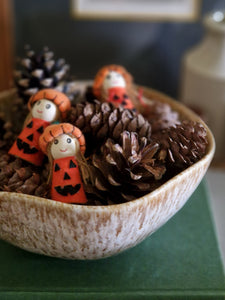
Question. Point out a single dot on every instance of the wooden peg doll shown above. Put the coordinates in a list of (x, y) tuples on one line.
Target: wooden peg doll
[(46, 106), (112, 84), (64, 144)]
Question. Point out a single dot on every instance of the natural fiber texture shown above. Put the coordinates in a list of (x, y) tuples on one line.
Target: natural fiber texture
[(101, 121), (182, 145), (126, 170)]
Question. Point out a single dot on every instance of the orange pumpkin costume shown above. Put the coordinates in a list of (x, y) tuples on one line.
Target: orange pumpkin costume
[(116, 95), (26, 145), (66, 181), (66, 185)]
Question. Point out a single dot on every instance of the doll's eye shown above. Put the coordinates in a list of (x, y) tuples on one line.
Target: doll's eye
[(38, 102), (56, 141), (118, 75), (48, 106), (108, 76), (69, 140)]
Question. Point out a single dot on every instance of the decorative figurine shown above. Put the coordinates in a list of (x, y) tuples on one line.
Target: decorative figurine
[(65, 144), (46, 106), (112, 84)]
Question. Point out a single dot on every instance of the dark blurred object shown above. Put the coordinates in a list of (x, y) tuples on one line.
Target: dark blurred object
[(6, 49), (41, 70), (203, 80)]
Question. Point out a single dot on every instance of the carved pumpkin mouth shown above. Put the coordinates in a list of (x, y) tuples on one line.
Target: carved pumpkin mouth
[(68, 189), (27, 149)]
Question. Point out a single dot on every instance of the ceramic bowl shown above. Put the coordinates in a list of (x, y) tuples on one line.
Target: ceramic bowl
[(91, 232)]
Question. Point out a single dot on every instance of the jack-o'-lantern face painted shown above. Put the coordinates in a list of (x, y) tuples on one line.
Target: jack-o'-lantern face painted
[(45, 106), (45, 110), (64, 146), (113, 79), (64, 143)]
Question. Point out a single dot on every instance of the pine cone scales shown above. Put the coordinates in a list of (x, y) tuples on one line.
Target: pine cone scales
[(102, 120), (182, 145), (127, 169), (161, 116), (39, 71), (7, 133), (21, 177)]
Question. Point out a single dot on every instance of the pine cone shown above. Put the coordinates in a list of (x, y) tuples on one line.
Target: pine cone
[(126, 170), (101, 120), (39, 71), (19, 176), (8, 134), (160, 116), (182, 145)]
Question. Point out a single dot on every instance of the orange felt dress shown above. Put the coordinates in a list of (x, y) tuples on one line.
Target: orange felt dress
[(118, 96), (26, 146), (67, 185)]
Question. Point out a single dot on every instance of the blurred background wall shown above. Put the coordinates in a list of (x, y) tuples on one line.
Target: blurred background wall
[(151, 51)]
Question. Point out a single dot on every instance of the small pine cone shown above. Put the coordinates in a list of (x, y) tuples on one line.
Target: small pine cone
[(8, 170), (102, 120), (19, 176), (126, 170), (160, 116), (182, 145), (30, 185), (37, 71), (43, 190), (8, 133), (4, 159)]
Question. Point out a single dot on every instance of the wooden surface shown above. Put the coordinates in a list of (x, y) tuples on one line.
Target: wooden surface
[(6, 49)]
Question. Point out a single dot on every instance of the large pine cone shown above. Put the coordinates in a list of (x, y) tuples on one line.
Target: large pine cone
[(126, 170), (101, 121), (39, 71), (182, 145)]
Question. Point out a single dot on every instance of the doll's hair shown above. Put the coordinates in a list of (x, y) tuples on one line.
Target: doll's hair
[(53, 131), (102, 73), (58, 98)]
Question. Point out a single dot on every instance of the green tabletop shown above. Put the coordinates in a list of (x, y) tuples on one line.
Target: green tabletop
[(180, 261)]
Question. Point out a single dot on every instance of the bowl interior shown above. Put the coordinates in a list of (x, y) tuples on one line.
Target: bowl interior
[(88, 232)]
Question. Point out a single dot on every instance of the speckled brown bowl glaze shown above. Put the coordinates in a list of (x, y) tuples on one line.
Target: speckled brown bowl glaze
[(91, 232)]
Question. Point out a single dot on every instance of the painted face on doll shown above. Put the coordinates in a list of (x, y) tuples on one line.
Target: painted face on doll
[(113, 79), (64, 146), (45, 110)]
